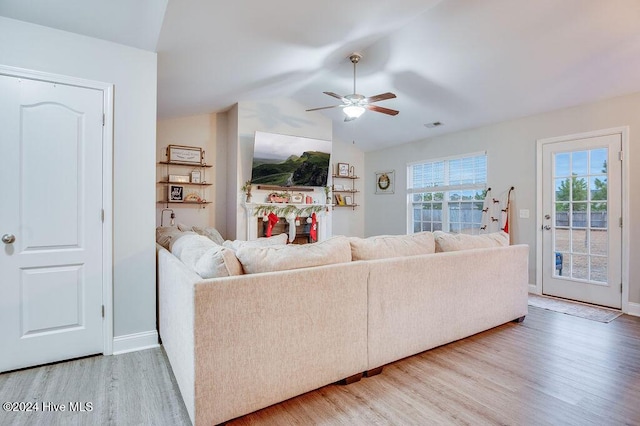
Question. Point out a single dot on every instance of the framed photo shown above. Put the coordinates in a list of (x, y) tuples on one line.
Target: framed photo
[(348, 200), (297, 198), (176, 193), (338, 187), (179, 178), (385, 182), (343, 169), (196, 176), (184, 154)]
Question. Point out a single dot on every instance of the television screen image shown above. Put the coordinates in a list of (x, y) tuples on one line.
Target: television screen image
[(283, 160)]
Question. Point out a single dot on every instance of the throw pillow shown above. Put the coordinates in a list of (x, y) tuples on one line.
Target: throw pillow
[(166, 235), (454, 242), (206, 258), (294, 256), (209, 232), (386, 246)]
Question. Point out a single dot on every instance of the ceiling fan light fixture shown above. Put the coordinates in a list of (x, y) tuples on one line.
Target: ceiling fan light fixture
[(353, 111)]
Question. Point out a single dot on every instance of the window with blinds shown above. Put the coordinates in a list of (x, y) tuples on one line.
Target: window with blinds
[(447, 194)]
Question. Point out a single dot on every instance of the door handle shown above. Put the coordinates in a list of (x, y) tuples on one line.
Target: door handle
[(8, 238), (546, 227)]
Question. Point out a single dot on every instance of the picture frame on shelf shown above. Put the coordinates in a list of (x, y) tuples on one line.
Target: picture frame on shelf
[(343, 170), (176, 194), (297, 198), (196, 176), (179, 178), (184, 154), (348, 200), (385, 182), (338, 187)]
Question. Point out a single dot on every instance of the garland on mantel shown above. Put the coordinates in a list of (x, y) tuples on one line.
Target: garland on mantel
[(284, 211)]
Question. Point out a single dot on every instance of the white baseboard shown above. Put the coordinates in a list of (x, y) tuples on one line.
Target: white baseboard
[(533, 289), (135, 342), (634, 309)]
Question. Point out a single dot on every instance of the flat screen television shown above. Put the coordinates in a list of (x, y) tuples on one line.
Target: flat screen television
[(283, 160)]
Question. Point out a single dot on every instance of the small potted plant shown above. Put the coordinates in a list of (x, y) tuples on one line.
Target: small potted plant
[(246, 188)]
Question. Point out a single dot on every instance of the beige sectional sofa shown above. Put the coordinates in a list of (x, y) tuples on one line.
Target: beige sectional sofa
[(240, 343)]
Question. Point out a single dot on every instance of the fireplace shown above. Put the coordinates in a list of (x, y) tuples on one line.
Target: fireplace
[(301, 235), (298, 234)]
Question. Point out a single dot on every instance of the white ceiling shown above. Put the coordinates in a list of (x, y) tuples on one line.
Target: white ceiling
[(465, 63)]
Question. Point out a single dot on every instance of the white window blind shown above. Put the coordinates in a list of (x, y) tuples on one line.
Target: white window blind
[(447, 194)]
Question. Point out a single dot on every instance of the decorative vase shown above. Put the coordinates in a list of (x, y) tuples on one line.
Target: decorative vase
[(248, 198)]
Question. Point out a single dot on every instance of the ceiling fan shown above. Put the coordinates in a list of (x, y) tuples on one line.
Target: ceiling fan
[(354, 104)]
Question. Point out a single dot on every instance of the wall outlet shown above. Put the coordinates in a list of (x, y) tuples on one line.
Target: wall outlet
[(524, 214)]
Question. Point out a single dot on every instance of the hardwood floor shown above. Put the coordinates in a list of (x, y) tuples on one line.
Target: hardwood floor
[(131, 389), (552, 369)]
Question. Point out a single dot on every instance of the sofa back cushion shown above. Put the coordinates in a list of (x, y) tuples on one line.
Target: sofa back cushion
[(386, 246), (455, 242), (276, 240), (294, 256), (206, 258)]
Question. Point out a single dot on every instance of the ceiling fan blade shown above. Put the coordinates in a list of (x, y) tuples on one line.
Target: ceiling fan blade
[(380, 97), (383, 110), (327, 107), (335, 95)]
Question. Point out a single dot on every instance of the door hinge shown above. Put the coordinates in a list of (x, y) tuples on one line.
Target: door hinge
[(102, 216), (102, 311), (620, 155), (103, 119), (620, 287), (620, 221)]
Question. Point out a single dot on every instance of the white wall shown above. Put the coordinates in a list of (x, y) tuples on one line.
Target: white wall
[(199, 131), (133, 73), (511, 149), (282, 116)]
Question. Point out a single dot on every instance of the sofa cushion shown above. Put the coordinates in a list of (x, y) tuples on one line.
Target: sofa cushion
[(294, 256), (209, 232), (386, 246), (276, 240), (206, 258), (455, 242)]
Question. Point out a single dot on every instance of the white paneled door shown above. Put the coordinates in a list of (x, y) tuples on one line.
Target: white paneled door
[(50, 222), (582, 219)]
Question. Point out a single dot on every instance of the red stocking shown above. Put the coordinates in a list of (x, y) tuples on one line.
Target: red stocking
[(273, 219), (313, 232)]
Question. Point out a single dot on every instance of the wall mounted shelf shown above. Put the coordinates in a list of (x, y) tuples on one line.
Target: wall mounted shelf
[(189, 171), (340, 189)]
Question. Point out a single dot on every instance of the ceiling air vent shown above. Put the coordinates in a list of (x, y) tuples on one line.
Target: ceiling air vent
[(434, 124)]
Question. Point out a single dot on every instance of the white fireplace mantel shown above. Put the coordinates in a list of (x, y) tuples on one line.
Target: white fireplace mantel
[(323, 216)]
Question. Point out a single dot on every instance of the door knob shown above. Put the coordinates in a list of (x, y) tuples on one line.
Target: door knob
[(8, 238)]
